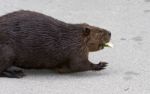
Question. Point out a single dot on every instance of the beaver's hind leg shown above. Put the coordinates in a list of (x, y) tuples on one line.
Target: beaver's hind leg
[(6, 61), (12, 73)]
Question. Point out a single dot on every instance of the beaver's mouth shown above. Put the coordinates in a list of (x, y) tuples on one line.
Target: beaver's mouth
[(101, 46)]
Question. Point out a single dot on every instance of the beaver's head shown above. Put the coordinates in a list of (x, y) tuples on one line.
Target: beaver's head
[(95, 37)]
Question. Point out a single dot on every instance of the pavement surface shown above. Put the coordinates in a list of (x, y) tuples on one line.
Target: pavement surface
[(129, 61)]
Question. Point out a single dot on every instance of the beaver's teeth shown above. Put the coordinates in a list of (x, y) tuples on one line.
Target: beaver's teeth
[(109, 44)]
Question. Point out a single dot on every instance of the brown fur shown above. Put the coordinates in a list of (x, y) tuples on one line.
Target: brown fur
[(33, 40)]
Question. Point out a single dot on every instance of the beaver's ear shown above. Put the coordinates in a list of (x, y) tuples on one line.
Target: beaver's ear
[(86, 31)]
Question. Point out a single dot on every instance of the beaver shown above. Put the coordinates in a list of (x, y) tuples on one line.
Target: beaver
[(32, 40)]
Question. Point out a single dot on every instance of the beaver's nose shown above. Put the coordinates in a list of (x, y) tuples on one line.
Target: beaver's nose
[(109, 33)]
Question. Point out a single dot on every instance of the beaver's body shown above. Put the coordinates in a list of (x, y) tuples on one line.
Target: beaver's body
[(33, 40)]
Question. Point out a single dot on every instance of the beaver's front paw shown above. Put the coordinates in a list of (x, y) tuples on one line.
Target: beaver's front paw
[(100, 66)]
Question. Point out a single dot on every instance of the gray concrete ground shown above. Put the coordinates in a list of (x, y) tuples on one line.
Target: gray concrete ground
[(129, 61)]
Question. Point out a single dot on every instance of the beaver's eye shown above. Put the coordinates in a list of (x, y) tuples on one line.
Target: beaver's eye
[(100, 31)]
